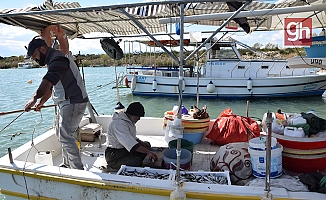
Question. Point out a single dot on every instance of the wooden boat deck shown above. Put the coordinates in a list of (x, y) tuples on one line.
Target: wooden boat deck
[(93, 156)]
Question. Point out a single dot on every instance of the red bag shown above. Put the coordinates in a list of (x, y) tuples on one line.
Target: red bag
[(229, 128)]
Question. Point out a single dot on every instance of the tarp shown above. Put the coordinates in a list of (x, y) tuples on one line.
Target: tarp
[(112, 19), (229, 128)]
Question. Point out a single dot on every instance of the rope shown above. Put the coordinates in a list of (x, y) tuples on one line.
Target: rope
[(116, 81), (101, 86), (32, 146), (12, 121)]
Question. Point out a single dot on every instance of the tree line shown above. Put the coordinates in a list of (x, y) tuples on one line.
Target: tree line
[(158, 58)]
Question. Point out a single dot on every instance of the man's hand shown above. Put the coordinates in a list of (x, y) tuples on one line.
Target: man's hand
[(152, 155), (30, 104), (38, 106)]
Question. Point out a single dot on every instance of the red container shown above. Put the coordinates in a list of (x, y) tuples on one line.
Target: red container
[(302, 155), (300, 143), (304, 163)]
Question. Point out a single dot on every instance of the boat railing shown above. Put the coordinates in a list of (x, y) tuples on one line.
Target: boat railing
[(235, 67), (153, 68), (272, 68), (244, 74), (154, 71), (284, 67), (253, 50), (261, 65)]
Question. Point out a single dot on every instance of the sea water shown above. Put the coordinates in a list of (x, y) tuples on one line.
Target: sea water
[(15, 91)]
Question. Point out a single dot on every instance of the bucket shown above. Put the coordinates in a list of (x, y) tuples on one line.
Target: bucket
[(185, 144), (258, 162), (170, 159), (259, 143), (196, 138), (44, 157)]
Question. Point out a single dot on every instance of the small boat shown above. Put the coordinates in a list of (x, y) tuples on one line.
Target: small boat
[(25, 65)]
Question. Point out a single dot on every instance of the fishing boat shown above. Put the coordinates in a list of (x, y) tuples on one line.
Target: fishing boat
[(25, 65), (31, 171), (227, 75)]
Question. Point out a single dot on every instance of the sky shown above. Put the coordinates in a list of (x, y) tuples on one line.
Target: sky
[(13, 39)]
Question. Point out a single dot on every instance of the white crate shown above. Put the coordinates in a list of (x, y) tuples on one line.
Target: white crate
[(147, 172), (89, 131), (202, 175)]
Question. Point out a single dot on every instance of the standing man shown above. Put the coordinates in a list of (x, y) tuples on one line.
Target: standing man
[(124, 148), (64, 82)]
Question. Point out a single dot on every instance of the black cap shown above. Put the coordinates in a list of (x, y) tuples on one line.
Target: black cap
[(136, 109), (34, 44)]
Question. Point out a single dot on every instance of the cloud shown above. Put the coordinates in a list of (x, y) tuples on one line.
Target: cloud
[(85, 46), (13, 40)]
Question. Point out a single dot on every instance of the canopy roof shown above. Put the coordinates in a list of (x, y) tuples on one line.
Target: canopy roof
[(114, 19)]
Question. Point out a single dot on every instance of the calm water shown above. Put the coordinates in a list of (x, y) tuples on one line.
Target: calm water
[(15, 91)]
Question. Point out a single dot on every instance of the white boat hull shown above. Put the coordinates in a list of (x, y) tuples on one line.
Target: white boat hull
[(25, 65), (232, 87), (31, 180)]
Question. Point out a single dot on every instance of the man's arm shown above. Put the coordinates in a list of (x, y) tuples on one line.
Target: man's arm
[(142, 149), (43, 99), (43, 91)]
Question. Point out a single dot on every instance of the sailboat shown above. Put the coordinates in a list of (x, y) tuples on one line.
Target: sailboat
[(32, 171)]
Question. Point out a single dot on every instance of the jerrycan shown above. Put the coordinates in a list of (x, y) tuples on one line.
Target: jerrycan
[(294, 131), (44, 157)]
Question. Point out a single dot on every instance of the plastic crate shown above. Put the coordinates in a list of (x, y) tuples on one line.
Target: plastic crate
[(146, 172), (90, 131)]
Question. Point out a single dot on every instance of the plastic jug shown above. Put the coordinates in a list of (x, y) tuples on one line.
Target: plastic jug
[(312, 111), (294, 131), (191, 111), (184, 110), (297, 120), (277, 127), (175, 109), (44, 157)]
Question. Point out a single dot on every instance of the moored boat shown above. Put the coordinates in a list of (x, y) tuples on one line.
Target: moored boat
[(25, 65), (227, 75)]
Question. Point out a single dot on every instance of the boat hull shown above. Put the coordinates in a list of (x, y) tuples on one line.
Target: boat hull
[(304, 62), (232, 87), (27, 179)]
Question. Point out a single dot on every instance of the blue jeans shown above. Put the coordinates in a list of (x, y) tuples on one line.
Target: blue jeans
[(68, 120)]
